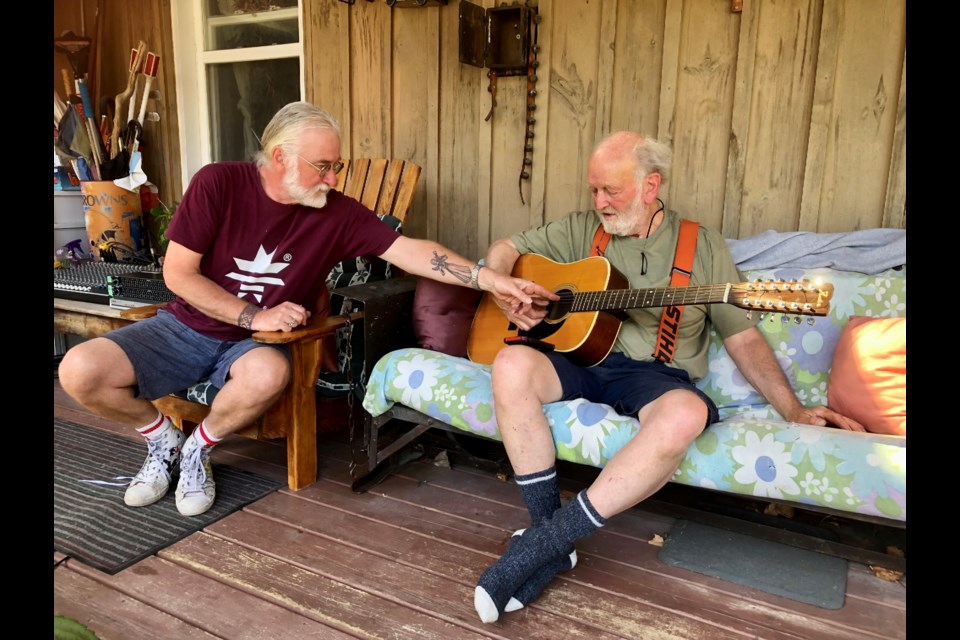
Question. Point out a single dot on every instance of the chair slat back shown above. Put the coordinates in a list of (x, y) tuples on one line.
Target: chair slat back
[(382, 185)]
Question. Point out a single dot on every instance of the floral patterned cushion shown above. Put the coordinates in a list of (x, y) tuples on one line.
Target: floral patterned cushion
[(751, 451)]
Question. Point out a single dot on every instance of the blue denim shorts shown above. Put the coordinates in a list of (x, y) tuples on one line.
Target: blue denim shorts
[(625, 384), (168, 356)]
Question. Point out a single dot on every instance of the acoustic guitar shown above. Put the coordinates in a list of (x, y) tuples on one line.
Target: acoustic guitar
[(585, 321)]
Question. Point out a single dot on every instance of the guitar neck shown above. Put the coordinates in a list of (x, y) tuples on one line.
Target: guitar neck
[(639, 298)]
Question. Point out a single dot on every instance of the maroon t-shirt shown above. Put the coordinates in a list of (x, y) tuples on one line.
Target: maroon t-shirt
[(263, 251)]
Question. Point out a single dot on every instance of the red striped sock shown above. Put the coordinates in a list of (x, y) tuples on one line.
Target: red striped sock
[(156, 429), (204, 435)]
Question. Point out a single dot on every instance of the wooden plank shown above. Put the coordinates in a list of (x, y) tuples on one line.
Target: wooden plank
[(210, 603), (381, 558), (780, 85), (704, 105), (739, 125), (485, 176), (326, 62), (895, 204), (370, 63), (605, 69), (572, 109), (110, 613), (309, 593), (669, 76), (373, 183), (416, 68), (458, 182), (622, 566), (856, 116), (637, 66)]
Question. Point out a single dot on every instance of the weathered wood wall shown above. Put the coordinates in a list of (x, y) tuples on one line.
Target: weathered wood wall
[(789, 115)]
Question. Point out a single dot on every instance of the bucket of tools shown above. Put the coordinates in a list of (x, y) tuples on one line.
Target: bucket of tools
[(113, 220)]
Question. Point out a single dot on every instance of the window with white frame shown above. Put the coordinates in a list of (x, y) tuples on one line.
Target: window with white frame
[(237, 62)]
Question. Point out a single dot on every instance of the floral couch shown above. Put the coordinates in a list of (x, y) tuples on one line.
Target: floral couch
[(752, 451)]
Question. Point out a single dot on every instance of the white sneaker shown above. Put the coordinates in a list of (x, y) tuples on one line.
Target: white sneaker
[(153, 479), (195, 489)]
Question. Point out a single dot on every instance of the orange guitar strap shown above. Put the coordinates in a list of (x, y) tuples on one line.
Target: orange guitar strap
[(679, 277), (600, 240)]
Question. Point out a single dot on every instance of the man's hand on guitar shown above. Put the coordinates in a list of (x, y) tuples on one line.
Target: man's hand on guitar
[(522, 301)]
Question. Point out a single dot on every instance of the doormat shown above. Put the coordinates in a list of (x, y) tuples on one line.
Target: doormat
[(92, 524), (773, 567)]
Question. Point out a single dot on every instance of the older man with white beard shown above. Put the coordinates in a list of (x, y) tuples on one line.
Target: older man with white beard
[(632, 228), (250, 246)]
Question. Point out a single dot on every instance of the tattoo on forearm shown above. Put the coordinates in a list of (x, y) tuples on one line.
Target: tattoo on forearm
[(245, 321), (458, 271)]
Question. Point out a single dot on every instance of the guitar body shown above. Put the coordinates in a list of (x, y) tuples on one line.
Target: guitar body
[(586, 337), (585, 322)]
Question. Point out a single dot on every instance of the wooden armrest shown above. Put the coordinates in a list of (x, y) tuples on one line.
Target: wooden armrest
[(316, 328), (139, 313)]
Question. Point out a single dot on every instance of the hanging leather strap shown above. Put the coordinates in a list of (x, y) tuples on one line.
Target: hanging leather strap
[(679, 277), (600, 240)]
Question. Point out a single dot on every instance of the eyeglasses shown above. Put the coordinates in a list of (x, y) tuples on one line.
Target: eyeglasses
[(323, 167)]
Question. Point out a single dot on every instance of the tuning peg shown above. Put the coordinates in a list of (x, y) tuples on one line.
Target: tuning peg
[(749, 314), (811, 320), (784, 319)]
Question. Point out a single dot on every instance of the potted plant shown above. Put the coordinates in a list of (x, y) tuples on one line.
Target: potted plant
[(162, 214)]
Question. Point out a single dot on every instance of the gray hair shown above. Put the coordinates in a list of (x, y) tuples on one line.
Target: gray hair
[(289, 124), (651, 155)]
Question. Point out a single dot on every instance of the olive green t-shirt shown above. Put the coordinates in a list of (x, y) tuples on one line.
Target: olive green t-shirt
[(568, 240)]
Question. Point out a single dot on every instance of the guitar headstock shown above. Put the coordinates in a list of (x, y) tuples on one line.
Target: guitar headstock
[(801, 297)]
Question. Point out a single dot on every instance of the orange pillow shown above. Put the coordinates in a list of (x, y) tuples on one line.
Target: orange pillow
[(868, 381)]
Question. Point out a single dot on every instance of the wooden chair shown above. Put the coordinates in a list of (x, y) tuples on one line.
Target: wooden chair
[(386, 187)]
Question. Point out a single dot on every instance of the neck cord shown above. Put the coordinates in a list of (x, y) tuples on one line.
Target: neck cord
[(643, 252)]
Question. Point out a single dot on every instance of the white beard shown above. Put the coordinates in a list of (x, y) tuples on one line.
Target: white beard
[(625, 222), (309, 197)]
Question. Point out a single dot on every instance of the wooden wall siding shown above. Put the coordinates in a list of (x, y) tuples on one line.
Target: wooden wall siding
[(775, 79), (855, 114), (789, 115)]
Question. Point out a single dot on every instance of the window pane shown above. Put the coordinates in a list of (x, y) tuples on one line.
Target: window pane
[(236, 24), (243, 98)]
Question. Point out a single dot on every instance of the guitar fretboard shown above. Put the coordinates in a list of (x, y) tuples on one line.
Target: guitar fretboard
[(639, 298)]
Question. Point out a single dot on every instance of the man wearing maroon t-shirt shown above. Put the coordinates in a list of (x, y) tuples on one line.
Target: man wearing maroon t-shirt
[(250, 246)]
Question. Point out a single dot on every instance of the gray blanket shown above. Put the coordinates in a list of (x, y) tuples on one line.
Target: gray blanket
[(865, 251)]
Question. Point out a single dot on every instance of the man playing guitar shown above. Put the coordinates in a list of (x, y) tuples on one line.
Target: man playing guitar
[(625, 174)]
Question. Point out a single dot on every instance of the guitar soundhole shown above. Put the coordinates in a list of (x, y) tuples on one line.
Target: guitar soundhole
[(557, 312)]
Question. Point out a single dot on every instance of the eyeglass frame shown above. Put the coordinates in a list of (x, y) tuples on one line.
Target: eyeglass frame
[(336, 167)]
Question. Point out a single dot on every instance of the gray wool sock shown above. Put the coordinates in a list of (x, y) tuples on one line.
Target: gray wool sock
[(541, 494), (539, 546), (535, 584)]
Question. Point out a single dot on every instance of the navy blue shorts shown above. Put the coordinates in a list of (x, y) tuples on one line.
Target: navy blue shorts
[(626, 385), (168, 356)]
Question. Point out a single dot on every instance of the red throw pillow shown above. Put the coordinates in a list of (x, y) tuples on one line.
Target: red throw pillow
[(868, 381), (442, 315)]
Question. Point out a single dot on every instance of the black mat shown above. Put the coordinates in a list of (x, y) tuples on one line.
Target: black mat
[(791, 572), (92, 524)]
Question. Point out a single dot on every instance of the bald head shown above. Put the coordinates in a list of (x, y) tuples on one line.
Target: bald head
[(646, 155)]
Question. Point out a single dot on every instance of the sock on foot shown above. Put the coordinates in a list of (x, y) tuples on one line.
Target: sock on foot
[(538, 547), (535, 584)]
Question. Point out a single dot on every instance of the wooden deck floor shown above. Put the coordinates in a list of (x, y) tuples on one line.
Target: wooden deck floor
[(401, 561)]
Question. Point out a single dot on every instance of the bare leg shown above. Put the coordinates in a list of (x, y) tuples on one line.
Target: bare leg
[(98, 375)]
